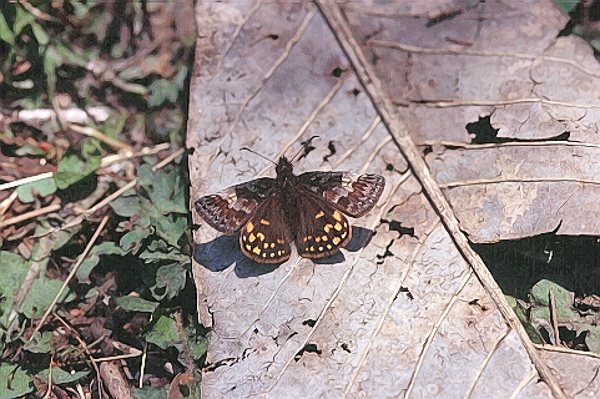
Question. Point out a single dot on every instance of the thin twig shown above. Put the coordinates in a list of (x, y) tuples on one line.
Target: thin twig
[(106, 161), (110, 198), (143, 365), (497, 103), (7, 202), (562, 349), (84, 213), (26, 180), (75, 335), (117, 357), (36, 12), (168, 160), (132, 183), (554, 318), (49, 390), (85, 348), (465, 52), (30, 215), (98, 135), (71, 274), (125, 155)]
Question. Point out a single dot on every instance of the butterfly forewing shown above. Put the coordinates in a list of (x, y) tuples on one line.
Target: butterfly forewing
[(322, 229), (351, 193), (266, 238), (230, 209)]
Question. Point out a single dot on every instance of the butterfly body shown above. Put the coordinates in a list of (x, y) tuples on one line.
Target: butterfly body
[(308, 209)]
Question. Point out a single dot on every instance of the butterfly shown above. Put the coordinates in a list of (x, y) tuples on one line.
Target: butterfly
[(309, 209)]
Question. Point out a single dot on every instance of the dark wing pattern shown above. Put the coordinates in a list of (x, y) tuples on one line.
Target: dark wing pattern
[(322, 229), (230, 209), (266, 237), (351, 193)]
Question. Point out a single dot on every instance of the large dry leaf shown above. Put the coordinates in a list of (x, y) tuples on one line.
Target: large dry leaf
[(412, 313)]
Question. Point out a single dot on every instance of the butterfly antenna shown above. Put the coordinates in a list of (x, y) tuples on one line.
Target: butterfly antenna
[(256, 153), (306, 148)]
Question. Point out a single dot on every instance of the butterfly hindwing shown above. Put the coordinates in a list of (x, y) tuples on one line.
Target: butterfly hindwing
[(322, 229), (266, 238), (354, 194), (230, 209)]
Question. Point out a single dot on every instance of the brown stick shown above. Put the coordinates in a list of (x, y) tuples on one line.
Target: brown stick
[(30, 215)]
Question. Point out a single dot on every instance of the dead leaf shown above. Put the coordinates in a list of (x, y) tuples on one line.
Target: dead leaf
[(392, 88)]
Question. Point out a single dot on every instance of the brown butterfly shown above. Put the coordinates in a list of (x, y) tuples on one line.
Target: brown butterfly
[(308, 209)]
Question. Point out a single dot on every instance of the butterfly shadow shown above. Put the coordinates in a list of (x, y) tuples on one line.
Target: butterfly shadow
[(222, 252), (360, 239)]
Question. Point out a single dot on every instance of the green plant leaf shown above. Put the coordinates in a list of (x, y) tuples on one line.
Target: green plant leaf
[(170, 278), (60, 376), (158, 251), (132, 241), (563, 298), (149, 393), (40, 34), (522, 316), (52, 60), (71, 57), (41, 295), (163, 333), (161, 91), (135, 304), (27, 192), (171, 230), (567, 5), (72, 169), (22, 19), (114, 126), (145, 174), (592, 339), (60, 238), (14, 381), (40, 343), (127, 206), (13, 269), (86, 267), (29, 149), (199, 347), (6, 34)]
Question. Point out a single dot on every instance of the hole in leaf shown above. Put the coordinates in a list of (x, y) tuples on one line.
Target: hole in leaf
[(397, 226), (332, 151), (311, 348), (386, 253), (405, 290), (309, 322), (482, 132), (530, 269)]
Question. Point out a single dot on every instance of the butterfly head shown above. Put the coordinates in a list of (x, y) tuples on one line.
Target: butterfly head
[(285, 170)]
